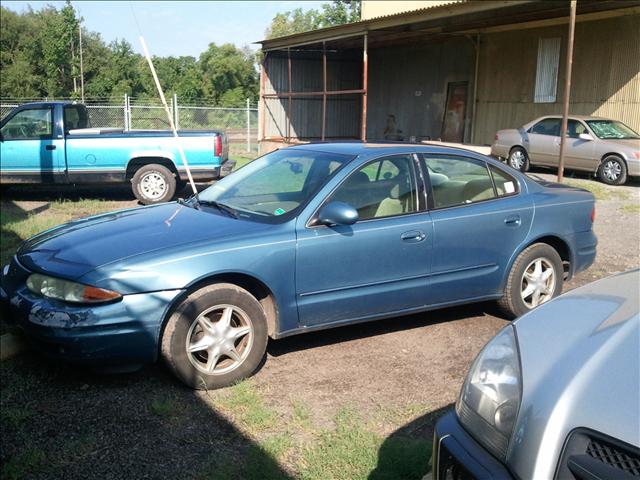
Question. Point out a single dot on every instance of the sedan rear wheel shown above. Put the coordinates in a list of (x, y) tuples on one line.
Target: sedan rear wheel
[(535, 278), (519, 159), (216, 337)]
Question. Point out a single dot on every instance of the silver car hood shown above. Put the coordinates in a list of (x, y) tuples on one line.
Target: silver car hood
[(580, 359)]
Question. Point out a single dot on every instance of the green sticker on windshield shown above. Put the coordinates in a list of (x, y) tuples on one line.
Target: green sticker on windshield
[(279, 211)]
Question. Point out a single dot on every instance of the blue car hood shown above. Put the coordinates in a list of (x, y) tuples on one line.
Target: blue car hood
[(76, 248)]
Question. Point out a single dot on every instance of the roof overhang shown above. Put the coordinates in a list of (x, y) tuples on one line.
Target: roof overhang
[(444, 20)]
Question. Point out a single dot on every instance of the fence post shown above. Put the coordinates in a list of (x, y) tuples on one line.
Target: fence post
[(176, 116), (124, 111), (248, 126)]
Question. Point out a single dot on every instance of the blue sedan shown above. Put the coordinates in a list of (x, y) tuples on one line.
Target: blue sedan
[(301, 239)]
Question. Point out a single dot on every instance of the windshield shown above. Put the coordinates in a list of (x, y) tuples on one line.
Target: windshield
[(611, 129), (275, 185)]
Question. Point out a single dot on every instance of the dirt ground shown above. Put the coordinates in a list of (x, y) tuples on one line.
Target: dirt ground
[(398, 373)]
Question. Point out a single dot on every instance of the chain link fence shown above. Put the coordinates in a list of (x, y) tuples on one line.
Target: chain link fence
[(240, 124)]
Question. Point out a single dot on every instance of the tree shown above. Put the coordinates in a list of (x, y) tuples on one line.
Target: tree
[(225, 68), (39, 56), (337, 12)]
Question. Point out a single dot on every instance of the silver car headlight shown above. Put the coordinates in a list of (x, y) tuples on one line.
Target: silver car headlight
[(491, 394), (67, 291)]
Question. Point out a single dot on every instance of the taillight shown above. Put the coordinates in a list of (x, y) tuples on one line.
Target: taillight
[(217, 145), (593, 214)]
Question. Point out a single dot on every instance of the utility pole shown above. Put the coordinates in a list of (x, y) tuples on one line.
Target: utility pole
[(567, 90), (81, 65)]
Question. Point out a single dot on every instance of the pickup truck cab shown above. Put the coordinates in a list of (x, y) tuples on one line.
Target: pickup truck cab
[(53, 142)]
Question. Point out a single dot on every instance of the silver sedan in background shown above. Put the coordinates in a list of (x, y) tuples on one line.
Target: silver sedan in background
[(554, 395), (607, 148)]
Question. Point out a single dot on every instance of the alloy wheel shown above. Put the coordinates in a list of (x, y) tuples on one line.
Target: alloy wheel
[(219, 339), (538, 282)]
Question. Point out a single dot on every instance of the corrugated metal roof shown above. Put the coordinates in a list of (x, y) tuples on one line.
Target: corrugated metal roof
[(370, 24), (420, 10)]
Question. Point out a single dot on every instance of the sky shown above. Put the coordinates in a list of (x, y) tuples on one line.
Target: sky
[(176, 27)]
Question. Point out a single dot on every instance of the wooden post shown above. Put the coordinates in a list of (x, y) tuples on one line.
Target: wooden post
[(365, 67), (289, 101), (324, 89), (567, 90), (263, 81)]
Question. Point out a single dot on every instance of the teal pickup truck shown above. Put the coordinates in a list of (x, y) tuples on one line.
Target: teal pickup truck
[(53, 142)]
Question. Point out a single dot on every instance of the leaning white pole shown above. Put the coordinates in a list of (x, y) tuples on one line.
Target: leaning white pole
[(169, 116)]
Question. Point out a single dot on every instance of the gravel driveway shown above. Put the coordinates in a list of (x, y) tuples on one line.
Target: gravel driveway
[(63, 422)]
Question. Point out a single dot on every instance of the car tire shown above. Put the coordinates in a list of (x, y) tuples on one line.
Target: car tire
[(612, 170), (216, 337), (153, 184), (529, 284), (518, 159)]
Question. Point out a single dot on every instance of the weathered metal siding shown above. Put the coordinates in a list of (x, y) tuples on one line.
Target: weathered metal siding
[(410, 82), (344, 72), (605, 80)]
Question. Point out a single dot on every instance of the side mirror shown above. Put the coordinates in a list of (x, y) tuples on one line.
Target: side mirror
[(337, 213), (585, 136)]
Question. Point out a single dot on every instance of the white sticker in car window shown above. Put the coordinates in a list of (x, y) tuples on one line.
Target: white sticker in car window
[(509, 187)]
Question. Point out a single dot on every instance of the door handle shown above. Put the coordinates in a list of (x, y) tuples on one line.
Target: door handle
[(413, 236), (50, 147), (513, 221)]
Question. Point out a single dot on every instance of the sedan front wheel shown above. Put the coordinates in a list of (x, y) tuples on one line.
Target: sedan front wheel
[(613, 171), (216, 337)]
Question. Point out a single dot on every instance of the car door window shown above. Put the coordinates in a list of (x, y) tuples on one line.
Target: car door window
[(505, 184), (382, 188), (458, 180), (548, 126), (32, 124), (575, 129)]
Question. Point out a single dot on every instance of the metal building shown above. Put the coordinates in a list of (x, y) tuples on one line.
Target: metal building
[(453, 71)]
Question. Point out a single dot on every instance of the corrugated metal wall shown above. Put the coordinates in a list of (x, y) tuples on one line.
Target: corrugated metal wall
[(605, 80), (344, 72), (410, 82)]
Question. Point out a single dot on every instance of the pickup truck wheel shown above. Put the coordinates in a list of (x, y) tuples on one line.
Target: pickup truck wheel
[(612, 171), (535, 278), (153, 184), (216, 337)]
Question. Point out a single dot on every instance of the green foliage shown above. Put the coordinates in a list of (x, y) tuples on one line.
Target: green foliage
[(39, 57), (337, 12)]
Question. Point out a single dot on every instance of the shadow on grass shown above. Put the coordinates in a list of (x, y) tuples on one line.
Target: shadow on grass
[(406, 453), (63, 422)]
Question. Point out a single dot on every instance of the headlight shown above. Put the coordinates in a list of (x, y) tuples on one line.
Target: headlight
[(68, 291), (490, 397)]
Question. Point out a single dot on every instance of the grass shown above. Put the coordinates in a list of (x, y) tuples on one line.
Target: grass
[(352, 451), (17, 224), (293, 445), (599, 190), (15, 416), (24, 465), (164, 407), (631, 208), (245, 403)]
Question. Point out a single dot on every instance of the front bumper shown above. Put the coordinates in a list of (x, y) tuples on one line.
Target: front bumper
[(120, 333), (456, 455)]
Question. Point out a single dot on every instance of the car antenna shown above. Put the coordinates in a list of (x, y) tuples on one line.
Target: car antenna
[(166, 109)]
